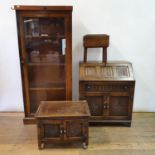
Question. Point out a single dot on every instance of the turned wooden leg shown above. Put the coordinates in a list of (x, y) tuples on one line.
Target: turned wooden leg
[(85, 145), (128, 124)]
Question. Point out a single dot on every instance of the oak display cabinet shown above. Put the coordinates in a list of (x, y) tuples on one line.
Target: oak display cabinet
[(45, 43)]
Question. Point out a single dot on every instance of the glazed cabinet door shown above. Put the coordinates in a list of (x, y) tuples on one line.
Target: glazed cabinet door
[(44, 59), (76, 130), (45, 55)]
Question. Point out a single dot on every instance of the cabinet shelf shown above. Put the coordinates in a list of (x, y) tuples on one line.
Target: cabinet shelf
[(44, 37), (45, 64), (51, 85), (45, 88)]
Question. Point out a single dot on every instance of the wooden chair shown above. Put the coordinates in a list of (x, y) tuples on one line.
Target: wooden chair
[(96, 41)]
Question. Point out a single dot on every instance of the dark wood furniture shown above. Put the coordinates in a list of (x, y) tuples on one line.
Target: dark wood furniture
[(109, 91), (62, 122), (45, 45), (96, 41)]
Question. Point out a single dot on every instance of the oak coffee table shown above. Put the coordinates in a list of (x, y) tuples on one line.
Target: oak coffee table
[(62, 122)]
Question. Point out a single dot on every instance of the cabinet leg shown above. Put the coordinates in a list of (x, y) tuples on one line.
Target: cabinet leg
[(40, 145), (85, 145), (128, 124)]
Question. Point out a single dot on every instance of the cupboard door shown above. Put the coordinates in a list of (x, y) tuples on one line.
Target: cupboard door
[(95, 104), (119, 106), (52, 130), (43, 58), (74, 129)]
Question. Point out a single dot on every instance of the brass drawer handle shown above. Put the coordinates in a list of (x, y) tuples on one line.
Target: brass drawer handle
[(88, 87), (126, 87)]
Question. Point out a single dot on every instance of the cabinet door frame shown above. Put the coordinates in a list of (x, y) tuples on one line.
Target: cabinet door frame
[(24, 69), (84, 96), (41, 130), (84, 129), (129, 106)]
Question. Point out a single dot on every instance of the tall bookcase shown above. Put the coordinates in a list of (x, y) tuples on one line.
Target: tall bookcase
[(45, 46)]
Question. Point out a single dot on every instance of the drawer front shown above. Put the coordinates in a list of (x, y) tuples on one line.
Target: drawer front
[(96, 41), (100, 87)]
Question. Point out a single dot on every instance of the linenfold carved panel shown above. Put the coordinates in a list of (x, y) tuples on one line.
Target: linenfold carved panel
[(122, 71), (90, 71), (106, 72), (110, 71)]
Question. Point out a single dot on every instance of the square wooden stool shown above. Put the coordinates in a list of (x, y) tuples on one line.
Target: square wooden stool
[(62, 122)]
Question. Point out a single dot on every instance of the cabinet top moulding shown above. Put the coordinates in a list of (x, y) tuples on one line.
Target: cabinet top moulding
[(55, 109), (35, 8)]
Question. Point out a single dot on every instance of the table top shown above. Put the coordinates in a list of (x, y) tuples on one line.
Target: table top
[(52, 109)]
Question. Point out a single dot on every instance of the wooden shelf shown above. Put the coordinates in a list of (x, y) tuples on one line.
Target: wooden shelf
[(43, 37), (45, 64), (45, 88), (48, 86)]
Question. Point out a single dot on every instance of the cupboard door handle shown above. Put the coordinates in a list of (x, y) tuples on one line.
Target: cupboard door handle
[(88, 87), (64, 131), (125, 87), (104, 106), (61, 132)]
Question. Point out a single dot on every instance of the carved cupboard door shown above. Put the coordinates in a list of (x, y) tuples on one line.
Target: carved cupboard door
[(75, 130), (51, 130), (119, 105), (95, 105)]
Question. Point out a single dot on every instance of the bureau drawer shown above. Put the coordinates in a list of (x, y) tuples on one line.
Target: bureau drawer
[(102, 87)]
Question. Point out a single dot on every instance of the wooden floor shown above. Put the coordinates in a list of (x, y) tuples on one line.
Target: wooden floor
[(16, 138)]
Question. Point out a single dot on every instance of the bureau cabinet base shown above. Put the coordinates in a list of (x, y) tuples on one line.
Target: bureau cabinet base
[(110, 122)]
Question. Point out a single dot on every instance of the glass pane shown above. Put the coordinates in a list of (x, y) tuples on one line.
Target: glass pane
[(45, 58)]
